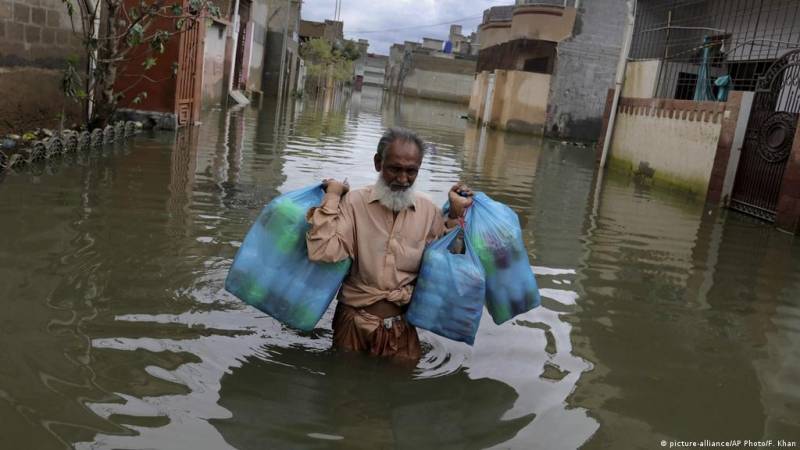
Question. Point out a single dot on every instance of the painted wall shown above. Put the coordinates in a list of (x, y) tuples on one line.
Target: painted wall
[(277, 20), (258, 42), (477, 99), (542, 22), (495, 33), (519, 102), (433, 44), (640, 79), (214, 88), (674, 142), (160, 93), (439, 78), (35, 40), (375, 69), (451, 87)]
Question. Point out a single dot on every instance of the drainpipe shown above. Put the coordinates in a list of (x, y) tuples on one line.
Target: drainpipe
[(235, 37), (621, 66)]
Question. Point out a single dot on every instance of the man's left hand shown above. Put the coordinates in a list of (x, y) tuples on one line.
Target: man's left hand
[(460, 196)]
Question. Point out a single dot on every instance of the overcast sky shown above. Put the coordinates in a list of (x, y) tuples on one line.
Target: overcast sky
[(385, 22)]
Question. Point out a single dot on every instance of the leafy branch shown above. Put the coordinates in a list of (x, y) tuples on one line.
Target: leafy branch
[(125, 32)]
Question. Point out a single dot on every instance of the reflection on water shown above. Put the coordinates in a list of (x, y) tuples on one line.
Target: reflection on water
[(659, 321)]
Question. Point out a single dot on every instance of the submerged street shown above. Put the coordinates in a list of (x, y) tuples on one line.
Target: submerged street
[(659, 320)]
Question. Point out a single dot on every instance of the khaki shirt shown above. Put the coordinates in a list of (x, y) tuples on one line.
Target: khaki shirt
[(386, 251)]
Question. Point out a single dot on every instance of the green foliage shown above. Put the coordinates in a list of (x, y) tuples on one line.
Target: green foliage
[(350, 51), (149, 63), (71, 83), (317, 50), (159, 40), (343, 70), (324, 59), (135, 35)]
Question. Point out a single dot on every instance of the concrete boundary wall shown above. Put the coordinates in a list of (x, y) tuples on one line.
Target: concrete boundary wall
[(641, 78), (451, 87), (674, 142)]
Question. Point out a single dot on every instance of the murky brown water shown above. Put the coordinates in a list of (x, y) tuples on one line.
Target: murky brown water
[(659, 320)]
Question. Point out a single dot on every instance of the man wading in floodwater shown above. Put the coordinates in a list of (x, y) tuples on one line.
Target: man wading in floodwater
[(384, 229)]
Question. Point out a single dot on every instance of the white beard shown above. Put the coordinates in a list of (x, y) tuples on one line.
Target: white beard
[(394, 200)]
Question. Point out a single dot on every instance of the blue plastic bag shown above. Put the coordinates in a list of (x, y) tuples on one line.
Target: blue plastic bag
[(449, 295), (271, 270), (494, 233)]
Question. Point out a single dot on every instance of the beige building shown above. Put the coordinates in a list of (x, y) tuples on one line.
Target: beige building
[(426, 71), (545, 67), (375, 69)]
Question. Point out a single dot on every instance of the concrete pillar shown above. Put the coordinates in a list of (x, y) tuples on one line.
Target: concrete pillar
[(788, 213), (719, 171), (498, 99)]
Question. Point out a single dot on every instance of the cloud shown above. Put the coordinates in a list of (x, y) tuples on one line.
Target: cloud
[(384, 22)]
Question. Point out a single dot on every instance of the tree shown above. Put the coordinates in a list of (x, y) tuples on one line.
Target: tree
[(326, 60), (112, 31)]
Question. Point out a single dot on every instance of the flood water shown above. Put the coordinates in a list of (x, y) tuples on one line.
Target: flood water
[(660, 320)]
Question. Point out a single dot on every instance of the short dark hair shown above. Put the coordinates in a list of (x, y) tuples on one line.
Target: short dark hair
[(399, 134)]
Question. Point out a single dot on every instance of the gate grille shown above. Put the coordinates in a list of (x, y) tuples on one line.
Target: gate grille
[(769, 139)]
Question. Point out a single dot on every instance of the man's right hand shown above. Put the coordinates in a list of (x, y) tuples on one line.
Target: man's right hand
[(332, 186)]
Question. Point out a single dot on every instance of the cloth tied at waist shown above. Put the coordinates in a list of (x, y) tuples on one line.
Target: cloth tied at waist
[(367, 295)]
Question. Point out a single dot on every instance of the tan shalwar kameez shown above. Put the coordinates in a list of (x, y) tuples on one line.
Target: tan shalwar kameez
[(386, 250)]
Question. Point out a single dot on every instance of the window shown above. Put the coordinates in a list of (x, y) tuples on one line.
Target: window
[(745, 74), (687, 83)]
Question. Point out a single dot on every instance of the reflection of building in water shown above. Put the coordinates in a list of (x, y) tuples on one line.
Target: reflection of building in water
[(508, 168), (561, 189), (695, 301), (421, 114), (183, 164), (107, 244), (742, 267), (504, 164)]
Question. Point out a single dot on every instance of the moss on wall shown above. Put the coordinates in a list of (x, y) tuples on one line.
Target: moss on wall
[(694, 187)]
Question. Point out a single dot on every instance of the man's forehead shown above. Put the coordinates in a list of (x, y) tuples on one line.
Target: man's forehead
[(403, 148)]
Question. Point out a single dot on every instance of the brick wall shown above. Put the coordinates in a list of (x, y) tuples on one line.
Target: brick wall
[(35, 39)]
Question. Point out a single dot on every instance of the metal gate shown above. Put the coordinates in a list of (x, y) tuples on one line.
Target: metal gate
[(769, 137), (190, 70)]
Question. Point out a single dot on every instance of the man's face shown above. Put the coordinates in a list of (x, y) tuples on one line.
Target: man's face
[(400, 165)]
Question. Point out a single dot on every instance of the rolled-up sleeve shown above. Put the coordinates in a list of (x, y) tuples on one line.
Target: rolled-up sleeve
[(332, 234)]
